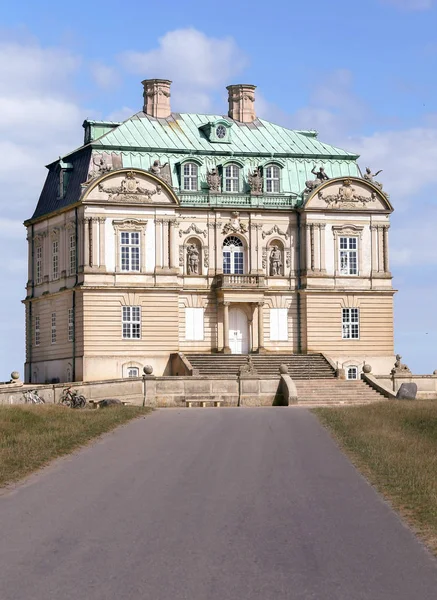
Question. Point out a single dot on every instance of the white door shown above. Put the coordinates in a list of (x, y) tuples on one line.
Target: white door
[(238, 331)]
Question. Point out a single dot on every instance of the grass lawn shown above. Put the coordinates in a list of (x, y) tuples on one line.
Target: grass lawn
[(394, 444), (32, 436)]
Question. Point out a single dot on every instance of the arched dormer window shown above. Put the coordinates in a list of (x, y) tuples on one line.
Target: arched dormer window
[(233, 256), (272, 179), (190, 173), (231, 178)]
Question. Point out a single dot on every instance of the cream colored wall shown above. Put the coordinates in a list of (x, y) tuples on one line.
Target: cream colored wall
[(323, 317), (209, 303)]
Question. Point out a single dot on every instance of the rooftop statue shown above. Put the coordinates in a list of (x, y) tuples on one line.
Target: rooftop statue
[(368, 176), (255, 182), (311, 184), (213, 180)]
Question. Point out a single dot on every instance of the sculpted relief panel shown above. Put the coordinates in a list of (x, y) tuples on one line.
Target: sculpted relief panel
[(348, 194), (130, 187)]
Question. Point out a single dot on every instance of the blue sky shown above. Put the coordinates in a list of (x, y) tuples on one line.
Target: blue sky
[(362, 74)]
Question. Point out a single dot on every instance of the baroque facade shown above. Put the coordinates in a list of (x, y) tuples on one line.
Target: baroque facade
[(202, 233)]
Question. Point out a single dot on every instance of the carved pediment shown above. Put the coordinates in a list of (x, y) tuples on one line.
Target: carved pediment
[(348, 193), (130, 186)]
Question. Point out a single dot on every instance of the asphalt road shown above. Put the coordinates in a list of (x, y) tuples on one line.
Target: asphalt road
[(208, 504)]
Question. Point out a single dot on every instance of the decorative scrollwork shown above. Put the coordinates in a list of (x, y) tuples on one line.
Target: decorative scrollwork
[(275, 229), (193, 227)]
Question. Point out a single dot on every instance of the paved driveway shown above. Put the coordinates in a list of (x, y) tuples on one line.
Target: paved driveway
[(208, 504)]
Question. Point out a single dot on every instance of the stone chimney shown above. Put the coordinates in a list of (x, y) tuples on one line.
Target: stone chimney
[(242, 102), (157, 98)]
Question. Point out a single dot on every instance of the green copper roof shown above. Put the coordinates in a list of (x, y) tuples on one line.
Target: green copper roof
[(181, 133)]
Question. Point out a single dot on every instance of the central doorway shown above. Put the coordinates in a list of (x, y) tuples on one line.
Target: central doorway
[(238, 331)]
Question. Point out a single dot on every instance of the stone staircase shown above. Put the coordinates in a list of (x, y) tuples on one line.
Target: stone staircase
[(312, 374), (300, 366), (335, 392)]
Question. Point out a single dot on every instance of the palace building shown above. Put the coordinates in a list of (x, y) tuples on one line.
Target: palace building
[(205, 233)]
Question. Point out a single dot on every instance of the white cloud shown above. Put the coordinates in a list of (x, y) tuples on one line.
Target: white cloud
[(198, 64), (411, 4), (408, 159), (413, 237), (121, 114), (11, 228), (39, 118), (105, 76)]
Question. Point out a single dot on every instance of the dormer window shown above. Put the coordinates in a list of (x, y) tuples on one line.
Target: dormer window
[(190, 177), (218, 131), (272, 178), (231, 176), (64, 170)]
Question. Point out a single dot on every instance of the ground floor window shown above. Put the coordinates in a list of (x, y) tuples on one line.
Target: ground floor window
[(351, 324), (352, 373), (279, 324), (131, 322), (194, 324)]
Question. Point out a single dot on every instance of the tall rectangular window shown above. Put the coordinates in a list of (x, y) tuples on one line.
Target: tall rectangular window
[(272, 179), (351, 324), (53, 328), (130, 250), (348, 256), (37, 331), (38, 265), (70, 325), (194, 324), (72, 254), (278, 324), (55, 259), (190, 177), (232, 178), (131, 317)]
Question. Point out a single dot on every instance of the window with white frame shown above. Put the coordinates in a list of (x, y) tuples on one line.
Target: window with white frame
[(348, 248), (232, 178), (133, 372), (351, 324), (37, 331), (38, 264), (131, 321), (72, 254), (70, 324), (55, 259), (130, 250), (189, 177), (279, 324), (53, 328), (233, 256), (272, 177), (194, 324), (352, 373)]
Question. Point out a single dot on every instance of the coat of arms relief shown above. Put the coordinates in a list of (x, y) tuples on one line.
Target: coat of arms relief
[(346, 197), (130, 189)]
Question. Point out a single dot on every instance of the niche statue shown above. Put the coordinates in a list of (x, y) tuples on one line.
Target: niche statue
[(275, 261), (193, 259)]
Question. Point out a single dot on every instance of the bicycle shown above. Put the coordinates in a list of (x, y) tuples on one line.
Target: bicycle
[(72, 399), (32, 397)]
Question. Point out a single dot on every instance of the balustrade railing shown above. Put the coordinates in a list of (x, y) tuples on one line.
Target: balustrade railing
[(240, 281), (262, 201)]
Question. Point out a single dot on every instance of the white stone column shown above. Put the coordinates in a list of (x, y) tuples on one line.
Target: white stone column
[(226, 348), (308, 247), (380, 249), (316, 246), (86, 242), (173, 245), (374, 247), (212, 248), (158, 244), (102, 222), (386, 261), (165, 243), (261, 348), (322, 247)]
